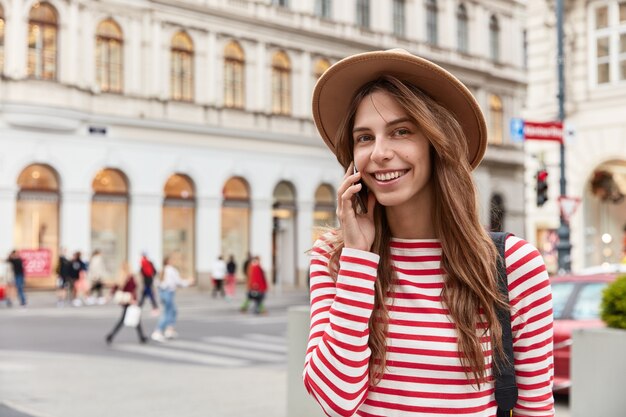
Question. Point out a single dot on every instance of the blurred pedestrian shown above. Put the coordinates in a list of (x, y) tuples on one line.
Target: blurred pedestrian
[(125, 293), (17, 265), (95, 277), (148, 272), (231, 269), (169, 282), (257, 287), (76, 272), (63, 278), (218, 273), (6, 283)]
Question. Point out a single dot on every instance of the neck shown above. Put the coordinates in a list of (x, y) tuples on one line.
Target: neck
[(414, 219)]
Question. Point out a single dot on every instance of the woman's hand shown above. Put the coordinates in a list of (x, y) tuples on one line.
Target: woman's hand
[(358, 229)]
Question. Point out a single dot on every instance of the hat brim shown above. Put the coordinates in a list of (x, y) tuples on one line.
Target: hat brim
[(336, 88)]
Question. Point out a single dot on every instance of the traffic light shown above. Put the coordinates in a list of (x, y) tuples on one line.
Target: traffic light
[(542, 187)]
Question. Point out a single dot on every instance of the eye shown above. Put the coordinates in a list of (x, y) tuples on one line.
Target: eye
[(363, 138), (402, 132)]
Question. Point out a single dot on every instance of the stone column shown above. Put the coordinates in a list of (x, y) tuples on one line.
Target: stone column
[(75, 220), (8, 198), (145, 228), (261, 233), (208, 236), (305, 236)]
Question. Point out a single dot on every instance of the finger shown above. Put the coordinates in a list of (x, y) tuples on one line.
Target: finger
[(347, 210)]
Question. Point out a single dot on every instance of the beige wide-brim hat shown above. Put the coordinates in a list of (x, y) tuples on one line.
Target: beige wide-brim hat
[(336, 88)]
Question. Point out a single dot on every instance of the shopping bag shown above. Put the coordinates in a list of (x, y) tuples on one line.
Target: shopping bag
[(122, 297), (132, 316)]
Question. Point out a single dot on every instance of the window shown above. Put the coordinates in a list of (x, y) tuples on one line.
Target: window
[(182, 67), (398, 18), (496, 119), (109, 56), (321, 65), (322, 8), (609, 42), (431, 22), (1, 39), (462, 32), (281, 3), (42, 42), (587, 306), (363, 13), (234, 76), (494, 39), (281, 84)]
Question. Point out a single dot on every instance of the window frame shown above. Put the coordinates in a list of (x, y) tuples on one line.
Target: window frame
[(323, 9), (39, 53), (614, 60), (398, 18), (177, 77), (281, 84), (494, 38), (234, 77), (432, 24), (496, 120), (106, 41), (363, 13), (462, 29)]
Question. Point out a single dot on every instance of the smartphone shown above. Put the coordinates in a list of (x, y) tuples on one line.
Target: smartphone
[(360, 198)]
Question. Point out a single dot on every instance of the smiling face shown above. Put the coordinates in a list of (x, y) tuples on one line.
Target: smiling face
[(392, 153)]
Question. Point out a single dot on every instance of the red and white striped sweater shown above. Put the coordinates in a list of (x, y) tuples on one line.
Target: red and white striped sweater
[(424, 376)]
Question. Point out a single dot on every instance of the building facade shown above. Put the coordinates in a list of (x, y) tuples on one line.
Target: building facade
[(184, 128), (595, 99)]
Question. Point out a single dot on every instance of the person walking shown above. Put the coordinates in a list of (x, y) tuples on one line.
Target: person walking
[(128, 289), (64, 292), (257, 287), (404, 293), (17, 265), (148, 272), (170, 281), (95, 277), (218, 273), (231, 269), (76, 272)]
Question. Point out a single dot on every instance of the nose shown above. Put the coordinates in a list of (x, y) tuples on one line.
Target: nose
[(382, 149)]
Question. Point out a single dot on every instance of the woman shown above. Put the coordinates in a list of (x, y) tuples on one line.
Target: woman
[(95, 275), (404, 294), (128, 296), (170, 280)]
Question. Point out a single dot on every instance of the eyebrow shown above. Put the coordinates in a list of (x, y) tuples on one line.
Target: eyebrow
[(391, 123)]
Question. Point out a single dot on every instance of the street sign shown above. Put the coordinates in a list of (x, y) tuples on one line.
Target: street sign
[(543, 131), (568, 206), (517, 129)]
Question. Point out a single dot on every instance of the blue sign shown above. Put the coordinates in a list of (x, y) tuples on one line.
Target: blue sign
[(517, 129)]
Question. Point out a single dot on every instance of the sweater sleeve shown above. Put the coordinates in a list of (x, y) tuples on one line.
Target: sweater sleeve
[(337, 357), (531, 320)]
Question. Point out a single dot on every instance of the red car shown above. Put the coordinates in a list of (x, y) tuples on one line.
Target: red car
[(576, 304)]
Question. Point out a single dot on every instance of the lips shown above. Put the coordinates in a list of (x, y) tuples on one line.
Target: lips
[(389, 175)]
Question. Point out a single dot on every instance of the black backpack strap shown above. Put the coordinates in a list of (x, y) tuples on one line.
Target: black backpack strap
[(504, 372)]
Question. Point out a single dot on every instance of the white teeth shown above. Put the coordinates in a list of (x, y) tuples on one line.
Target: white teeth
[(387, 176)]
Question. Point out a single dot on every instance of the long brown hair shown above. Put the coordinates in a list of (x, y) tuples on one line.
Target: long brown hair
[(470, 291)]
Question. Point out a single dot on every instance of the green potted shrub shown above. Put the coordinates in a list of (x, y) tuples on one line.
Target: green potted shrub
[(613, 308)]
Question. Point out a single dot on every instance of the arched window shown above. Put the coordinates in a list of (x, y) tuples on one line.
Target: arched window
[(1, 39), (462, 32), (179, 213), (494, 38), (321, 65), (42, 42), (181, 67), (363, 13), (431, 22), (324, 214), (109, 218), (234, 76), (496, 118), (496, 214), (284, 242), (281, 84), (109, 66), (236, 210), (37, 218)]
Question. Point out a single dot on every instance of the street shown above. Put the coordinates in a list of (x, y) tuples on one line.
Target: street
[(54, 362)]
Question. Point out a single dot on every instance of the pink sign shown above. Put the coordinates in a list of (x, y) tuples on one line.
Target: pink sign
[(37, 262)]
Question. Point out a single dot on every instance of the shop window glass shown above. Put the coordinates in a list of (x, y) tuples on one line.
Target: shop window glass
[(236, 222), (179, 223)]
